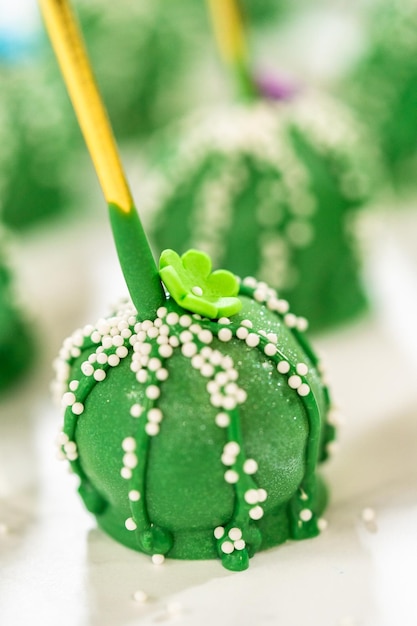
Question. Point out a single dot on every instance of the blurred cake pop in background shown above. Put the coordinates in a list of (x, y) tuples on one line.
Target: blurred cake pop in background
[(16, 342), (382, 84), (270, 187)]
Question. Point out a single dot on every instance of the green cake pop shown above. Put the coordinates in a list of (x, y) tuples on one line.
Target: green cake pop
[(16, 349), (271, 189), (382, 85), (195, 416)]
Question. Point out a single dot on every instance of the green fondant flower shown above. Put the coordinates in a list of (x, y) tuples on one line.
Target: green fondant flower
[(192, 285)]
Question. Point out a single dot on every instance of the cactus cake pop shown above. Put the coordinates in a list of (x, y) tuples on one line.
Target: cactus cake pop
[(195, 415), (269, 188), (15, 343), (382, 84)]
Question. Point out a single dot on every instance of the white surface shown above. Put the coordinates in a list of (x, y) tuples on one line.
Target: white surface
[(57, 568)]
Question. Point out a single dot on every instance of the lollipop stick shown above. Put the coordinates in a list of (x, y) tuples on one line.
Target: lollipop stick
[(228, 26), (135, 256)]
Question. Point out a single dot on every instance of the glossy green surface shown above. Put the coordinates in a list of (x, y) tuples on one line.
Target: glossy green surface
[(178, 470)]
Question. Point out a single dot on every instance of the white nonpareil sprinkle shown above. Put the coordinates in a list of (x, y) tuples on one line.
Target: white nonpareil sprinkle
[(302, 369), (134, 495), (235, 534), (152, 392), (140, 596), (222, 420), (136, 410), (256, 513), (197, 291), (77, 408), (227, 547), (283, 367), (225, 334), (130, 460), (158, 559), (239, 544), (306, 515), (130, 524), (219, 532), (129, 444), (294, 381), (250, 466), (252, 340), (231, 477)]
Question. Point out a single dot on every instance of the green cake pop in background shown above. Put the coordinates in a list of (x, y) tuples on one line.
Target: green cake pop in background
[(35, 173), (195, 416), (16, 347), (271, 190), (382, 85)]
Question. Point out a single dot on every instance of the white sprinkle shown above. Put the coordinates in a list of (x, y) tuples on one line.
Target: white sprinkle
[(152, 392), (165, 351), (282, 306), (306, 515), (155, 415), (270, 349), (122, 352), (186, 336), (158, 559), (172, 318), (117, 341), (232, 448), (272, 337), (77, 408), (102, 358), (290, 320), (283, 367), (68, 399), (74, 385), (252, 340), (219, 532), (197, 362), (87, 369), (140, 596), (147, 324), (241, 396), (130, 524), (154, 364), (161, 312), (174, 341), (262, 495), (242, 333), (228, 459), (185, 321), (222, 420), (368, 515), (207, 370), (129, 444), (142, 376), (126, 473), (130, 460), (302, 369), (61, 439), (162, 374), (256, 513), (197, 291), (134, 495), (251, 496), (260, 295), (322, 524), (225, 334), (227, 547), (224, 320), (303, 390), (205, 336), (246, 323), (113, 360), (99, 375), (235, 534), (229, 403), (153, 332), (189, 349), (216, 400), (250, 466), (302, 324), (294, 381), (152, 429), (239, 544), (231, 476), (136, 410)]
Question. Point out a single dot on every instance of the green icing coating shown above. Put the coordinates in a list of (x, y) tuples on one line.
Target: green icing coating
[(382, 85), (270, 190), (197, 438)]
